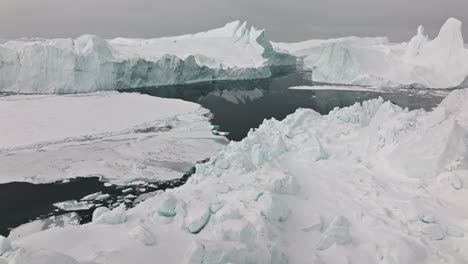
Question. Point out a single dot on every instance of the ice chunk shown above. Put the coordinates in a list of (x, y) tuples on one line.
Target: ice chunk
[(91, 197), (99, 211), (73, 205), (143, 235), (285, 184), (434, 232), (337, 232), (226, 213), (127, 190), (273, 208), (260, 155), (102, 197), (236, 230), (5, 245), (197, 218), (114, 217), (428, 219), (168, 205), (215, 207)]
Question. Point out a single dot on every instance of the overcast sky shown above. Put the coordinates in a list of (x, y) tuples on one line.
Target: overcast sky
[(285, 20)]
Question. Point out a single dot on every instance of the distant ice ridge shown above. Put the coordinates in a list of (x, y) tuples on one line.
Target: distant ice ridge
[(370, 183), (90, 63), (438, 63)]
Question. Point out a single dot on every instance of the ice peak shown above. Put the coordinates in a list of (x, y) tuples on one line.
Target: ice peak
[(243, 30), (451, 30), (420, 31)]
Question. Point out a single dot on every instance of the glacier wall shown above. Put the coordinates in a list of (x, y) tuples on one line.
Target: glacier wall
[(89, 63)]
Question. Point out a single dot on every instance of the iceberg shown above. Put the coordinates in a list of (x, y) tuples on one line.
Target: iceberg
[(421, 63), (90, 63)]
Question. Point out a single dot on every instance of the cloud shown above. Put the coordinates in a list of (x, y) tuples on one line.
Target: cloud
[(291, 20)]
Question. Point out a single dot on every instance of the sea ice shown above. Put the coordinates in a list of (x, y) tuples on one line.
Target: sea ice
[(73, 205)]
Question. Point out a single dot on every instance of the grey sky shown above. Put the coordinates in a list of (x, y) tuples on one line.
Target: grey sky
[(285, 20)]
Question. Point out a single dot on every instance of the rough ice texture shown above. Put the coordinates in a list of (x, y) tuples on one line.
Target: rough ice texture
[(5, 245), (119, 136), (370, 183), (103, 215), (90, 63), (438, 63)]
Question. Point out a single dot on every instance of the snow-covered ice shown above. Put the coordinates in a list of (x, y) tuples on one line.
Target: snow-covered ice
[(90, 63), (117, 136), (438, 63), (370, 183)]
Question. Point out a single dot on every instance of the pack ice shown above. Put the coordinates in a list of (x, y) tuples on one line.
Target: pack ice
[(90, 63), (421, 62), (370, 183), (118, 136)]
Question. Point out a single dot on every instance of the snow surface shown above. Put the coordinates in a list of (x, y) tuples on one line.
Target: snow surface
[(438, 63), (90, 63), (370, 183), (118, 136)]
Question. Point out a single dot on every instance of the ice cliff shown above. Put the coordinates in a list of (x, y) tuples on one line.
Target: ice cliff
[(438, 63), (90, 63)]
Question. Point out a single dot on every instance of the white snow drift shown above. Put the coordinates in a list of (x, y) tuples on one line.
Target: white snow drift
[(90, 63), (370, 183), (438, 63), (119, 136)]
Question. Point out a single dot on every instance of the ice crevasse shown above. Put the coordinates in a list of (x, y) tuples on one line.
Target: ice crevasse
[(369, 183), (90, 63)]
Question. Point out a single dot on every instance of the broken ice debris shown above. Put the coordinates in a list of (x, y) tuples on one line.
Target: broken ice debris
[(103, 197), (168, 206), (337, 232), (273, 208), (197, 218), (73, 205), (91, 197), (236, 230)]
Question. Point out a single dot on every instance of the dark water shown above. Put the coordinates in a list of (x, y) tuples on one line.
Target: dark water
[(22, 202), (238, 106)]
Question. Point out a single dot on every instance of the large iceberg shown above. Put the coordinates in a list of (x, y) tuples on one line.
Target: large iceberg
[(438, 63), (90, 63), (369, 183)]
